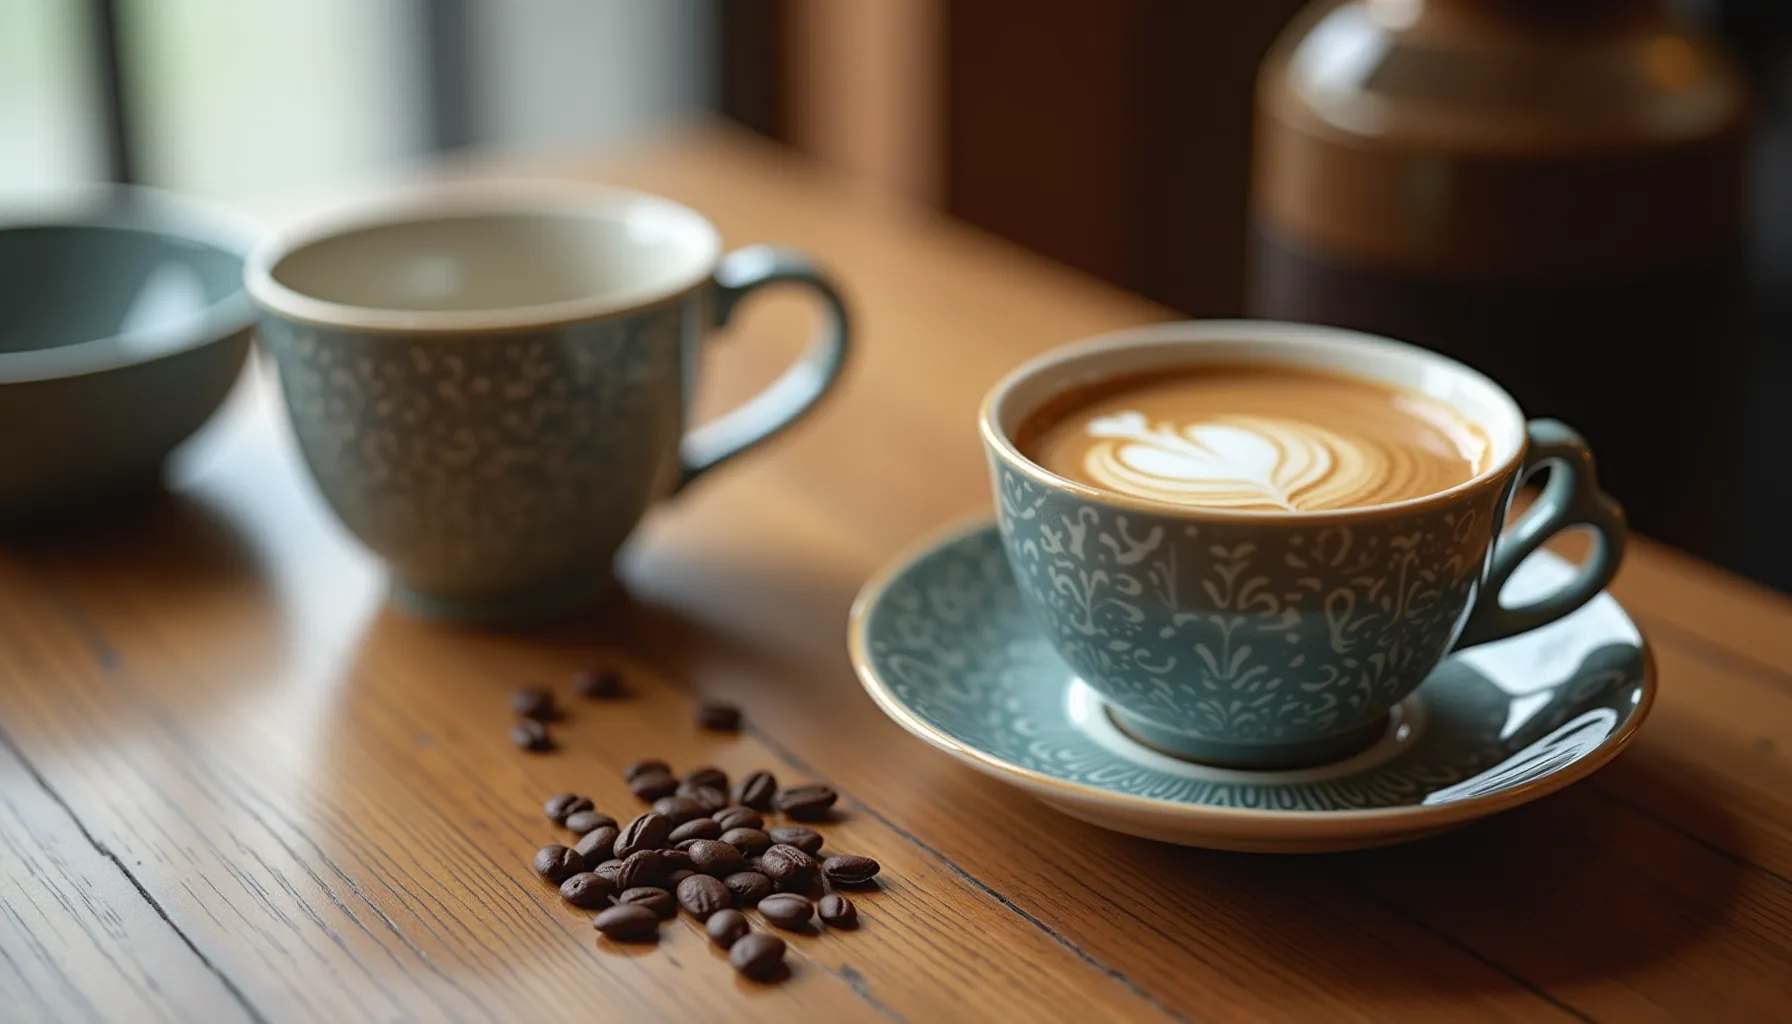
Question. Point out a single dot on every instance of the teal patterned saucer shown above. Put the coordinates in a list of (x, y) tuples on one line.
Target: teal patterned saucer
[(944, 646)]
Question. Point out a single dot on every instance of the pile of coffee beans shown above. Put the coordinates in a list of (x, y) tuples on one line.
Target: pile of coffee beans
[(703, 845)]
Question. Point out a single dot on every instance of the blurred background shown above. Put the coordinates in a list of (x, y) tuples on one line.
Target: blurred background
[(1591, 199)]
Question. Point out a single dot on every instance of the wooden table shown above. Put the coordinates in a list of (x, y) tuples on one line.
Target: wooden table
[(234, 786)]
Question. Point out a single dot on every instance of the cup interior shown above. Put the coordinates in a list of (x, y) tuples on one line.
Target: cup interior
[(1177, 346), (486, 259)]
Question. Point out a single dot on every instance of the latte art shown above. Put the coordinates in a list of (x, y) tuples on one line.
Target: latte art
[(1260, 439), (1246, 462)]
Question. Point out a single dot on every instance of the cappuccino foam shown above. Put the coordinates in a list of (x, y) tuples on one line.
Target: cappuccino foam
[(1256, 438)]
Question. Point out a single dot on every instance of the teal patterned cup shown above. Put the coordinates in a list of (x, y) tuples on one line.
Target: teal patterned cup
[(491, 383), (1261, 640)]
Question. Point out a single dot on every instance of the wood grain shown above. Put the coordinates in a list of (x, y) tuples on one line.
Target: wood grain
[(318, 795), (78, 942), (363, 816)]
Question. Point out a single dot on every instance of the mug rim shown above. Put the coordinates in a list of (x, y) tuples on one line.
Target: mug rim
[(1199, 332), (500, 198)]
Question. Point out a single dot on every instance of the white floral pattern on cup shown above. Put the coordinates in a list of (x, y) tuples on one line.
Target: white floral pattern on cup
[(1232, 631), (490, 466)]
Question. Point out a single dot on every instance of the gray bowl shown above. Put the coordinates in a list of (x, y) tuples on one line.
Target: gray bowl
[(123, 325)]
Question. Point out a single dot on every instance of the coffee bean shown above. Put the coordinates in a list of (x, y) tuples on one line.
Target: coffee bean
[(678, 809), (718, 716), (786, 866), (676, 877), (849, 869), (597, 845), (805, 839), (748, 887), (708, 775), (837, 911), (586, 889), (647, 832), (643, 867), (757, 955), (726, 927), (806, 803), (684, 845), (598, 684), (560, 805), (652, 785), (608, 871), (749, 841), (646, 766), (702, 896), (709, 798), (532, 736), (534, 703), (787, 910), (557, 863), (756, 791), (713, 857), (696, 828), (653, 898), (627, 921), (583, 822), (676, 859), (738, 817)]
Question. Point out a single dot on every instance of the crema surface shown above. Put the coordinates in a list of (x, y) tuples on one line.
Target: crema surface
[(1256, 438)]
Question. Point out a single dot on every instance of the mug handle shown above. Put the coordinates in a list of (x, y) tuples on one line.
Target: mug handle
[(1571, 498), (798, 388)]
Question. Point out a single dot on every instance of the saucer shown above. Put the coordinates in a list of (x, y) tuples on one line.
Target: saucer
[(943, 645)]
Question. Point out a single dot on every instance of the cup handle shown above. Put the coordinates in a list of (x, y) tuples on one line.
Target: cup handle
[(1571, 498), (798, 388)]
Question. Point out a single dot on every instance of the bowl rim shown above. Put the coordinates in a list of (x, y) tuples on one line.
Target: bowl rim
[(148, 211)]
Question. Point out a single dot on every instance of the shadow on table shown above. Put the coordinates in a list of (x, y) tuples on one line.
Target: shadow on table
[(164, 544), (746, 631), (131, 528), (1578, 888), (176, 593), (1581, 886)]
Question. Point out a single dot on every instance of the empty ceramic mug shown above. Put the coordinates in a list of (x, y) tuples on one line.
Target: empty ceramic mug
[(491, 383), (1276, 638)]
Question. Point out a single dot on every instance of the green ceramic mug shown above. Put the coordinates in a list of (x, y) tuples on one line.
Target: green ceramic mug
[(491, 383), (1281, 639)]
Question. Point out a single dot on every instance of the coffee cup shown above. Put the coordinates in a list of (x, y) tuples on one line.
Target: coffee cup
[(490, 383), (1273, 620)]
